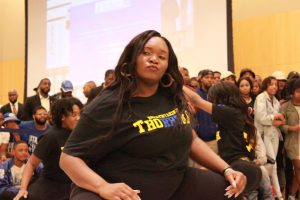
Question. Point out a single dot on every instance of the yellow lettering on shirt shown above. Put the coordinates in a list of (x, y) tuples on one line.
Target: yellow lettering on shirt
[(218, 137), (150, 125), (139, 125), (158, 123)]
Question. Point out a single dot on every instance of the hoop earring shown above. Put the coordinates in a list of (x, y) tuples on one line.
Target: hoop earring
[(123, 71), (166, 80)]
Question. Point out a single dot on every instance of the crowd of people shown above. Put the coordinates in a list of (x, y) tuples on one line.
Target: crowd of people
[(150, 131)]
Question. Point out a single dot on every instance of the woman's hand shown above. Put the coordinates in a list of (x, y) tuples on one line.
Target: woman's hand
[(237, 182), (22, 193), (118, 191)]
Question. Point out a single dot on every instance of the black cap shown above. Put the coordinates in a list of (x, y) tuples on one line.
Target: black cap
[(245, 70), (204, 73)]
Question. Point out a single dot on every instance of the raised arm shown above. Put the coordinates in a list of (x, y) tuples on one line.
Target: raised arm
[(203, 155), (196, 100)]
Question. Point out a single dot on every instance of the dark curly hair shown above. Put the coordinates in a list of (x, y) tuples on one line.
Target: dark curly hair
[(228, 94), (63, 107), (266, 82), (293, 84)]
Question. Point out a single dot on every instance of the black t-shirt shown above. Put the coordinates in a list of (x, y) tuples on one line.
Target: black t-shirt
[(49, 149), (148, 150), (232, 134)]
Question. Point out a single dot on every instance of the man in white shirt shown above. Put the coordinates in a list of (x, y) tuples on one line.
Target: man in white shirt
[(42, 98)]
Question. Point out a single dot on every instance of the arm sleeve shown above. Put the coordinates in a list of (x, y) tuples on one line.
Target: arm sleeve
[(4, 180), (260, 112), (27, 109), (92, 129), (44, 146), (221, 114), (284, 128)]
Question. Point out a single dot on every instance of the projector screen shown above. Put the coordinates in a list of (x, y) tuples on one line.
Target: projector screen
[(78, 40)]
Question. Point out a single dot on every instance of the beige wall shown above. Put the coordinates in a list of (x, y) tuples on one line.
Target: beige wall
[(12, 48), (267, 40)]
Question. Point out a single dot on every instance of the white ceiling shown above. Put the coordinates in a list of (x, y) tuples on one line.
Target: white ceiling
[(245, 9)]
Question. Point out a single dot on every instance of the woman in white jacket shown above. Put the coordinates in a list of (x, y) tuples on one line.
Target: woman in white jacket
[(267, 119)]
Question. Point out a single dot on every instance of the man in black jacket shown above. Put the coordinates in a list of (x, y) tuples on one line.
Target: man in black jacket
[(108, 79), (40, 99), (13, 106)]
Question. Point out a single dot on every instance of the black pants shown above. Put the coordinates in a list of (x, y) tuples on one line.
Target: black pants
[(196, 185), (251, 171), (7, 195), (46, 189)]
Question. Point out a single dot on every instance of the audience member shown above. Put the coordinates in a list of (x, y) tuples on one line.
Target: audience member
[(108, 79), (194, 82), (206, 129), (42, 98), (66, 90), (228, 76), (12, 122), (258, 78), (267, 121), (13, 106), (246, 72), (291, 112), (236, 134), (245, 86), (11, 171), (256, 88), (293, 74), (4, 136), (34, 128), (281, 95), (53, 182), (88, 86), (216, 77), (185, 74)]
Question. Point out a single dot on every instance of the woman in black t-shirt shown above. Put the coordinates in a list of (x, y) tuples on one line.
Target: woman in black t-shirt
[(236, 134), (245, 86), (133, 141), (53, 182)]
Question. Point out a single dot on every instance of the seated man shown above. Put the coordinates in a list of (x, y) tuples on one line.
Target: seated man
[(11, 171), (12, 122), (33, 129)]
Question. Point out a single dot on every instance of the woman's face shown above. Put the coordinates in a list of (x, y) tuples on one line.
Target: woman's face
[(272, 87), (281, 84), (152, 63), (256, 88), (244, 87), (296, 95), (230, 79), (70, 121)]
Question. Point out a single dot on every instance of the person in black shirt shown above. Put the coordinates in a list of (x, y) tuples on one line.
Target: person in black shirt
[(53, 182), (236, 134), (133, 140), (245, 86)]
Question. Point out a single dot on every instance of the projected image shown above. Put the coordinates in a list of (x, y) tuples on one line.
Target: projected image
[(86, 37)]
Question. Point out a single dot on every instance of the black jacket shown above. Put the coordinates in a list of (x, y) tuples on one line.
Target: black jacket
[(31, 103), (7, 109)]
